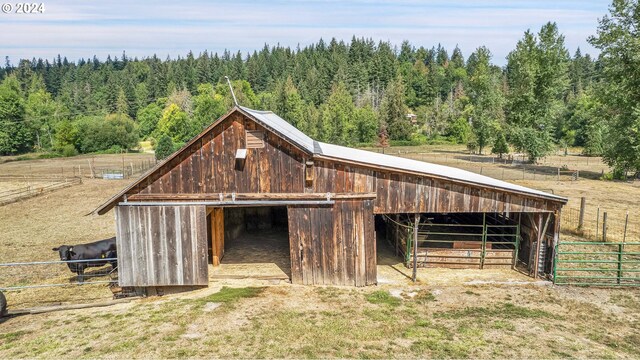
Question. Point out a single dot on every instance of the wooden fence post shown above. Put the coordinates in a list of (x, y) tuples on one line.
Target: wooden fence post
[(583, 205)]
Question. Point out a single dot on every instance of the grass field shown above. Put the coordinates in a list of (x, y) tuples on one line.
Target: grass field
[(448, 314)]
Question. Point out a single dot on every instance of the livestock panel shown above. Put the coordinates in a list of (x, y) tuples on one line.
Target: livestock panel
[(161, 245), (333, 245)]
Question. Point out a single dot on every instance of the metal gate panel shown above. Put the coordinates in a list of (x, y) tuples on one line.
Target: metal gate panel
[(597, 263)]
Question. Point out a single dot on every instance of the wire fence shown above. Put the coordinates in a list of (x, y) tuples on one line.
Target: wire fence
[(600, 224), (109, 166), (24, 187), (28, 284)]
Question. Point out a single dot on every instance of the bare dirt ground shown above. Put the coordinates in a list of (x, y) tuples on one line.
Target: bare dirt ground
[(447, 314)]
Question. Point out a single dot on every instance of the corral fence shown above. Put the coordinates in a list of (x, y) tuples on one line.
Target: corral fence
[(601, 224), (28, 284), (587, 263), (30, 186), (125, 170), (84, 166)]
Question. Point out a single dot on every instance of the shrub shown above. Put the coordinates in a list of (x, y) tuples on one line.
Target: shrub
[(165, 147), (69, 150)]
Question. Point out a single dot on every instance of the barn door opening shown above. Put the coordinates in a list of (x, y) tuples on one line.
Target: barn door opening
[(255, 243)]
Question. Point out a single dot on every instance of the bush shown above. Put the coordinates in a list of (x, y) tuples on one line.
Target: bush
[(114, 133), (69, 150), (165, 147)]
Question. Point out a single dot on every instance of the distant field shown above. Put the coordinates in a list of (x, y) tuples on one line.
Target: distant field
[(78, 165)]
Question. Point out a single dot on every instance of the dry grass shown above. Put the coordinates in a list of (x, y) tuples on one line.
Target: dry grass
[(455, 321), (76, 165), (447, 314)]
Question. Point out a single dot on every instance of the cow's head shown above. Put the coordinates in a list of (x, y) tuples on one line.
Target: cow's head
[(66, 252)]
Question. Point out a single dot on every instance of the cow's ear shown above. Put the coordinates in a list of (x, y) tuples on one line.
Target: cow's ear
[(56, 249)]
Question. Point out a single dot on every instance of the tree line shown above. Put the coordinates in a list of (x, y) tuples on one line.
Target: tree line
[(355, 93)]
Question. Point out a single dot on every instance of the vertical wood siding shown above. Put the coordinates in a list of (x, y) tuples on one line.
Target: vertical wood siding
[(161, 245), (407, 193), (333, 245)]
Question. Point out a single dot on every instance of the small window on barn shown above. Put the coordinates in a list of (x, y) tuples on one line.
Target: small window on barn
[(255, 139)]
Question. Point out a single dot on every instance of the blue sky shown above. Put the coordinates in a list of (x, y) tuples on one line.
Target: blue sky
[(141, 28)]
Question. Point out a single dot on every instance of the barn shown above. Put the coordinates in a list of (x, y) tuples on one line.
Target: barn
[(325, 208)]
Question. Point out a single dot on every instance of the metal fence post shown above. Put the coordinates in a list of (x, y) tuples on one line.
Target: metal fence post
[(620, 250), (597, 222), (604, 227), (484, 240), (415, 246), (583, 205)]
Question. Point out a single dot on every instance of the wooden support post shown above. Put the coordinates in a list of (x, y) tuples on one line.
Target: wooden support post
[(541, 235), (415, 247), (583, 205), (604, 227)]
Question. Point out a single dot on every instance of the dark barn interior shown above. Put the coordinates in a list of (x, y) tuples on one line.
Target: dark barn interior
[(254, 239)]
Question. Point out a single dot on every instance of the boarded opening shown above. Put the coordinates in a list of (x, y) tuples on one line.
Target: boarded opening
[(255, 139), (256, 244)]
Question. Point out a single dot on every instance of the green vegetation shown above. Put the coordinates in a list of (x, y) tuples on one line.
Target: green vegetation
[(354, 93), (230, 295), (383, 297), (164, 148)]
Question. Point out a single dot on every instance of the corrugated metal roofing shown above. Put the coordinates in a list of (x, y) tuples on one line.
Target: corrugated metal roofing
[(395, 162), (281, 126)]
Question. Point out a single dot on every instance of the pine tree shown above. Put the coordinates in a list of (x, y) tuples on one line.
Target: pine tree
[(393, 111), (164, 147), (500, 145)]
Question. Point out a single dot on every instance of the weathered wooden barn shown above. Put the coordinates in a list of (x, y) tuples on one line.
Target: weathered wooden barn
[(251, 170)]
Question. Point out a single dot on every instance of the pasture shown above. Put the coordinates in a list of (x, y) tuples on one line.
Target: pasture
[(447, 314)]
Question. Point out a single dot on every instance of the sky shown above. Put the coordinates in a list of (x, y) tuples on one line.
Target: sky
[(82, 29)]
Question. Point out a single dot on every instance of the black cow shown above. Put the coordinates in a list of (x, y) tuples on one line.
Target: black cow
[(103, 249)]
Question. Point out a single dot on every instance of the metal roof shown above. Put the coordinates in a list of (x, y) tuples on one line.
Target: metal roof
[(289, 132), (399, 163), (285, 129), (282, 127)]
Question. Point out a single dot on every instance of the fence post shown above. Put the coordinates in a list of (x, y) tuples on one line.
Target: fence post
[(484, 240), (597, 222), (415, 246), (604, 227), (558, 174), (626, 223), (583, 205), (522, 172), (620, 250)]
